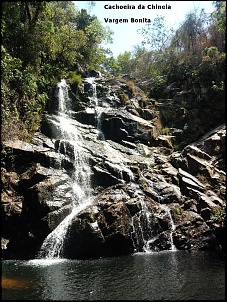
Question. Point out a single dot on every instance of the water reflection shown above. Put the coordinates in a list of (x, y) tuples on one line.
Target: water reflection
[(169, 275), (15, 283)]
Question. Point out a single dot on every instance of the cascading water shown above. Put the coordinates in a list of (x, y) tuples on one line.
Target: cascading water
[(113, 155), (141, 228), (99, 109), (99, 112), (142, 234), (92, 91), (141, 222), (172, 226), (71, 143), (52, 246)]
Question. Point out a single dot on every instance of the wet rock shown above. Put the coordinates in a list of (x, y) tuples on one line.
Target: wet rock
[(147, 196)]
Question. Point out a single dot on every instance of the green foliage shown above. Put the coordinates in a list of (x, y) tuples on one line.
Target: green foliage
[(10, 66), (166, 131), (91, 53), (74, 80), (11, 75), (157, 34), (42, 42), (177, 213), (218, 87), (191, 34), (111, 66), (142, 61), (219, 15), (159, 83), (125, 62), (219, 216), (211, 71), (123, 98), (29, 83)]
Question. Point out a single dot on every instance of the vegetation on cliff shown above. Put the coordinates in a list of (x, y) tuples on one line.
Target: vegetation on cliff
[(43, 41), (164, 125)]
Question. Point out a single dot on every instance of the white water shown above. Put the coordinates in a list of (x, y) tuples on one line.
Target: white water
[(141, 230), (140, 224), (172, 225), (52, 246), (115, 157), (142, 219), (172, 229), (98, 110), (93, 98)]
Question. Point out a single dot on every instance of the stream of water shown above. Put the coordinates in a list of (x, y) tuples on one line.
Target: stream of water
[(82, 196), (82, 191)]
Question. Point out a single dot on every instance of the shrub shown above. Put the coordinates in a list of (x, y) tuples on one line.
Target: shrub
[(132, 87), (219, 216), (123, 98), (159, 84), (14, 129), (74, 80)]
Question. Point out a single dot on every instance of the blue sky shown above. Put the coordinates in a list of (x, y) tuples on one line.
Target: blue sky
[(125, 34)]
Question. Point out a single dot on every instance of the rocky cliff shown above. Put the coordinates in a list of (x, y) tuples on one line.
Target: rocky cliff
[(146, 193)]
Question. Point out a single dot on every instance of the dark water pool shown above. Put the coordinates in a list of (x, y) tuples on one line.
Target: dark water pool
[(169, 275)]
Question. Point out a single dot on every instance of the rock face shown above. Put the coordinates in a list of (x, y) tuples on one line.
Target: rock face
[(145, 195)]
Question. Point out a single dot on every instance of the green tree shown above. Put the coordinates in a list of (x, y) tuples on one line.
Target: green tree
[(142, 59), (157, 34), (192, 33), (111, 66), (93, 53), (39, 43), (219, 15), (126, 62)]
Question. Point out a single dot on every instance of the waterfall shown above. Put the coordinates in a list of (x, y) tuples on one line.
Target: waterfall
[(71, 144), (141, 223), (96, 106), (142, 234), (52, 246), (92, 91), (99, 111), (141, 228), (172, 226), (114, 156)]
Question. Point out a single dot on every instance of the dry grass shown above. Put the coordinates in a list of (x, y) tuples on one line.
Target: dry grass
[(132, 87), (13, 130)]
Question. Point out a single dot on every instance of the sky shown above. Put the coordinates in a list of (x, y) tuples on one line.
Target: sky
[(125, 34)]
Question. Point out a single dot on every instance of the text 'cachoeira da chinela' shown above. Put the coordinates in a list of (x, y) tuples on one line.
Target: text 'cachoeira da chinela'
[(140, 6)]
